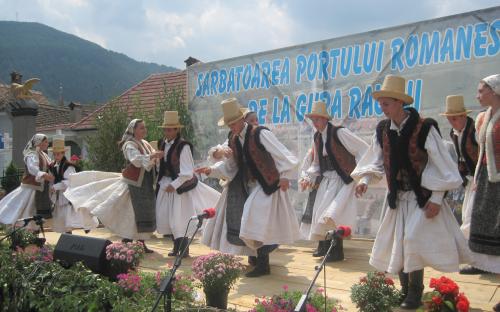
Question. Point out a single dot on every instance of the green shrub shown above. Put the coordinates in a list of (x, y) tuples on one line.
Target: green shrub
[(10, 180)]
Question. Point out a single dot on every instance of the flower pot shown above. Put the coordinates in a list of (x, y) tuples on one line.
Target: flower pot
[(216, 298)]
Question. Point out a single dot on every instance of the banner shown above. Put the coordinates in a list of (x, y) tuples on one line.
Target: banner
[(437, 57)]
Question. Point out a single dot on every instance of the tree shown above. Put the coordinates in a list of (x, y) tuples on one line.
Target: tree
[(103, 150), (169, 100), (10, 180)]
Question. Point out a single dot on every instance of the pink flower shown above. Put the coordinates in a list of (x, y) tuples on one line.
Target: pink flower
[(285, 287)]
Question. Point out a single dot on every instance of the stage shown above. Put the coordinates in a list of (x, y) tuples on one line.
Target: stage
[(294, 266)]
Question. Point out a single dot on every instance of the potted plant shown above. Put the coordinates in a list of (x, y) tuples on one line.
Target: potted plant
[(123, 257), (287, 301), (375, 292), (445, 297), (217, 273)]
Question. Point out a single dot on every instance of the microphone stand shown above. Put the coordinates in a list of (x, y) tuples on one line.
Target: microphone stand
[(26, 222), (301, 305), (166, 283)]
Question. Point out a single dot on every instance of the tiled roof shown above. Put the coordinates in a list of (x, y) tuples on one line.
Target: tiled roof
[(49, 116), (148, 90)]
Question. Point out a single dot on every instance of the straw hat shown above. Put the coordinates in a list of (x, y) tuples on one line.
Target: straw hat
[(455, 106), (319, 110), (393, 87), (245, 111), (171, 120), (232, 112), (58, 144)]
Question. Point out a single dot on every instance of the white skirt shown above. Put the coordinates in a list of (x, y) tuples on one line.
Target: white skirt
[(335, 205), (174, 210), (268, 219), (214, 234), (467, 207), (407, 240), (18, 204), (106, 196), (65, 218)]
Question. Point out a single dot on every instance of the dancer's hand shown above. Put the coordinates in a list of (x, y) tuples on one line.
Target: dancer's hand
[(284, 184), (203, 170), (157, 155), (170, 189), (48, 177), (228, 152), (432, 209), (218, 153), (304, 184), (360, 189)]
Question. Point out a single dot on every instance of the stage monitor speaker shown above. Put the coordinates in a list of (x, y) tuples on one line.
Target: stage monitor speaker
[(89, 250)]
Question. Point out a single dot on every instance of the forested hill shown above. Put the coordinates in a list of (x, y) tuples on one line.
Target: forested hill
[(88, 73)]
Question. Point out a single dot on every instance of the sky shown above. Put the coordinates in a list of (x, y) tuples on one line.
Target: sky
[(168, 32)]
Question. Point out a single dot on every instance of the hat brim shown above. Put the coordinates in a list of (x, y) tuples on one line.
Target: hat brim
[(222, 123), (393, 94), (244, 111), (57, 150), (318, 115), (466, 112), (171, 126)]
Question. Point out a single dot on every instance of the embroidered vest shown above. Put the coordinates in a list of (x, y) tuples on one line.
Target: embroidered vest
[(488, 127), (468, 159), (58, 172), (405, 156), (237, 149), (132, 174), (171, 167), (29, 179), (260, 163), (339, 158)]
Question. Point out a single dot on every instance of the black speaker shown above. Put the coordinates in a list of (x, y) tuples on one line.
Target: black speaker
[(89, 250)]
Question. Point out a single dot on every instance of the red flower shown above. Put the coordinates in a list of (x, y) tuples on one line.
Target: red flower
[(462, 303), (389, 281), (434, 283), (74, 158), (444, 285), (437, 300)]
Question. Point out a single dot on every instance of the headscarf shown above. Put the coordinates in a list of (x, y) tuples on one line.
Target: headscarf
[(493, 82), (33, 143), (129, 132)]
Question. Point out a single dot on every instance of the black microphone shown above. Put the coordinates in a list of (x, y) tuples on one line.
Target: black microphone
[(34, 218), (207, 214), (341, 231)]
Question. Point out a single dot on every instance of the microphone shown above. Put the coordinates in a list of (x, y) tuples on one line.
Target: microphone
[(341, 231), (207, 214), (34, 218)]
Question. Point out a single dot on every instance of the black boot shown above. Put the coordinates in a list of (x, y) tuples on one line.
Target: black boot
[(175, 250), (321, 250), (146, 249), (403, 279), (262, 267), (252, 260), (337, 252), (415, 288), (183, 243)]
